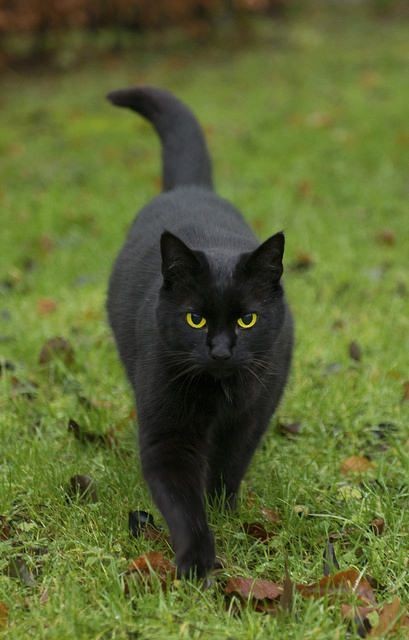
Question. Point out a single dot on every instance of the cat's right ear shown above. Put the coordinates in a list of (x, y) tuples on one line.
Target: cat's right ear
[(178, 261)]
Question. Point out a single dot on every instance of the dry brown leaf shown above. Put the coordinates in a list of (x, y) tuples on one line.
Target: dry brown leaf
[(370, 79), (389, 617), (356, 464), (107, 439), (6, 365), (56, 349), (302, 262), (352, 612), (257, 530), (153, 562), (251, 498), (132, 414), (5, 529), (304, 188), (141, 523), (154, 534), (46, 244), (377, 526), (387, 237), (287, 597), (348, 581), (262, 593), (4, 615), (358, 615), (82, 488), (18, 568), (271, 515), (319, 120), (405, 396), (355, 351), (289, 428), (46, 306)]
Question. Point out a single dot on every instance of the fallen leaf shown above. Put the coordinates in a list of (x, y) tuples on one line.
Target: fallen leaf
[(23, 388), (355, 351), (287, 596), (154, 534), (261, 593), (18, 569), (301, 510), (370, 79), (150, 563), (28, 264), (257, 530), (6, 365), (138, 521), (271, 515), (56, 349), (132, 414), (107, 439), (356, 464), (45, 306), (4, 615), (83, 488), (5, 528), (330, 559), (289, 429), (347, 582), (389, 617), (46, 243), (387, 237), (302, 262), (377, 526), (304, 188), (405, 396), (44, 597), (343, 535), (319, 120), (251, 498), (359, 616)]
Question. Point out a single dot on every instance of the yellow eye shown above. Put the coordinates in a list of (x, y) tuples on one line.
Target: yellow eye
[(195, 320), (247, 321)]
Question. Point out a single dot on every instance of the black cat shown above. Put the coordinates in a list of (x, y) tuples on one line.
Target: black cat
[(202, 328)]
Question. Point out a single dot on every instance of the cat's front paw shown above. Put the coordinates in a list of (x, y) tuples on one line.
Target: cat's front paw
[(198, 559)]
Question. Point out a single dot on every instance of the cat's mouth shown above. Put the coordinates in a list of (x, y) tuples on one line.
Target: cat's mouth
[(220, 371)]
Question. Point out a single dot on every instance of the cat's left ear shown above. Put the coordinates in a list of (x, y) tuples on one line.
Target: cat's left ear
[(179, 263), (268, 258)]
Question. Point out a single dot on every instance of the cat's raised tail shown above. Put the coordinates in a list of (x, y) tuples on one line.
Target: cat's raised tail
[(185, 158)]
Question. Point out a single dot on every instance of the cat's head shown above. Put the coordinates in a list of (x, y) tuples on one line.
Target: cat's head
[(220, 313)]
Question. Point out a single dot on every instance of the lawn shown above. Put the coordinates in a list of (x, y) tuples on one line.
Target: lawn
[(307, 130)]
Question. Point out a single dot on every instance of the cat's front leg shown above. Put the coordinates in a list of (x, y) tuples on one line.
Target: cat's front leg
[(234, 441), (173, 463)]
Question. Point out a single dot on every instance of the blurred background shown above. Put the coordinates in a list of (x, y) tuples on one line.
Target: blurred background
[(304, 105), (62, 33)]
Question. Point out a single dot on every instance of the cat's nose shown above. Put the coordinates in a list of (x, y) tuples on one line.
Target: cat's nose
[(220, 352)]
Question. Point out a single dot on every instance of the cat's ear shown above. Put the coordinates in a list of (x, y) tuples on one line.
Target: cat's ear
[(178, 261), (267, 258)]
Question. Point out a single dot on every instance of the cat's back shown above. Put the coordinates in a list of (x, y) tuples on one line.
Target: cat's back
[(197, 215)]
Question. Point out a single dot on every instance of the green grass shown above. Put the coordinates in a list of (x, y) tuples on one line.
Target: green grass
[(307, 131)]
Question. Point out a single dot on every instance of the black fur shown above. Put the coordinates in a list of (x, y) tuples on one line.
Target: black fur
[(204, 396)]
